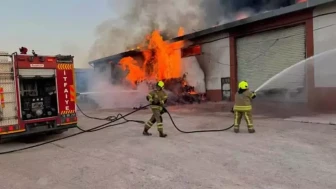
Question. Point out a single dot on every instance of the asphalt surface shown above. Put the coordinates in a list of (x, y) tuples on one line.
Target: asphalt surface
[(280, 154)]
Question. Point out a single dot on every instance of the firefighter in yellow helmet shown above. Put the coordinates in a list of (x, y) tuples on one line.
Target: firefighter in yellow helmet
[(243, 107), (157, 98)]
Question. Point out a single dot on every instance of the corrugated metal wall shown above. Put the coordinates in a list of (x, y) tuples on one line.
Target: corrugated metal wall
[(261, 56)]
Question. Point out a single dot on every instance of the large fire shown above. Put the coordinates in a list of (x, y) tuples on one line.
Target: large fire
[(162, 60)]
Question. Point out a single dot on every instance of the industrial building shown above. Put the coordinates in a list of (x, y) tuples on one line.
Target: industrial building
[(258, 47), (82, 76)]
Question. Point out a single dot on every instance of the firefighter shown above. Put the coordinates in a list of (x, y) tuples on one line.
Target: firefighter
[(243, 107), (157, 98)]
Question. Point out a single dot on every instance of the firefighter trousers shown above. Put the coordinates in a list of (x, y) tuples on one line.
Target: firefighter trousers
[(238, 115), (156, 117)]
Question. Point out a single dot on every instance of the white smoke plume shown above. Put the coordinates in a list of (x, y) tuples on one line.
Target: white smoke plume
[(137, 18), (195, 75), (108, 96)]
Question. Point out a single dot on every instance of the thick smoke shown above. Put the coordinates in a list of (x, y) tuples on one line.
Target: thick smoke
[(256, 5), (107, 96), (137, 18), (194, 74)]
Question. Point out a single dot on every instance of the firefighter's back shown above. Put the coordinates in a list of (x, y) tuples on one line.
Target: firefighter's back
[(243, 99)]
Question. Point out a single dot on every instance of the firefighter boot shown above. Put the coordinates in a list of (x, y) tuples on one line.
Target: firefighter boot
[(160, 129), (163, 135), (145, 132), (236, 129), (251, 130)]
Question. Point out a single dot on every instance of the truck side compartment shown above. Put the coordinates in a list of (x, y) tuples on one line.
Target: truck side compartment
[(9, 122)]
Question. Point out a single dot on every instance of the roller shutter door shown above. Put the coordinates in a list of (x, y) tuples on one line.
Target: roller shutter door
[(261, 56), (36, 72)]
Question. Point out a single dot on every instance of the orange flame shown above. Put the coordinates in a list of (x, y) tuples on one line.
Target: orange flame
[(163, 59), (301, 1), (129, 63)]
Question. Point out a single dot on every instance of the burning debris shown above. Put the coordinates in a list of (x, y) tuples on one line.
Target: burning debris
[(183, 93), (161, 61)]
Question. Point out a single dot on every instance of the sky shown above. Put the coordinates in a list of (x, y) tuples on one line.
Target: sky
[(52, 27)]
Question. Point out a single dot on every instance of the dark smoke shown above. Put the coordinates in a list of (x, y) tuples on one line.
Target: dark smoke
[(227, 9), (256, 5), (139, 17)]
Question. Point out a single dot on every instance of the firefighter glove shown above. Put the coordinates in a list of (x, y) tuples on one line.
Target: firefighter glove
[(164, 110), (150, 100), (254, 94)]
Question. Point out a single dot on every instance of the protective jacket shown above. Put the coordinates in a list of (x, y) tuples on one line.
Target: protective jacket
[(243, 100), (157, 98)]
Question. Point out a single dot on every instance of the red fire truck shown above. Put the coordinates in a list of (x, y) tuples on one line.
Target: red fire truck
[(37, 94)]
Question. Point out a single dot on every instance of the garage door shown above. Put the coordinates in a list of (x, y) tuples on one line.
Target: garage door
[(36, 72), (261, 56)]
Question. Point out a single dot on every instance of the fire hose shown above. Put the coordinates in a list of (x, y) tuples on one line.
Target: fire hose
[(111, 119)]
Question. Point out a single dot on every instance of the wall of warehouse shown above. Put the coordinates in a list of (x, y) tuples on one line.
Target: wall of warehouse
[(324, 28), (278, 30), (215, 62), (322, 69)]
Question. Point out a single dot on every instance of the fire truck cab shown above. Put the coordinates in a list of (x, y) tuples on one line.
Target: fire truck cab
[(37, 94)]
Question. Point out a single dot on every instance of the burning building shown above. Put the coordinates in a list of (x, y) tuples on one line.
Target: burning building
[(254, 48), (157, 59)]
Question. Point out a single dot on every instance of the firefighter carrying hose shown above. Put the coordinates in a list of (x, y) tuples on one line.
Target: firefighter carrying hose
[(243, 107), (157, 98)]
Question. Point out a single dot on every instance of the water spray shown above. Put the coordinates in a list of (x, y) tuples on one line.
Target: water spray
[(293, 66), (279, 74)]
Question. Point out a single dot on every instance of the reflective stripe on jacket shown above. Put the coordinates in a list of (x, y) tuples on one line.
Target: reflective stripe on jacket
[(157, 98), (243, 101)]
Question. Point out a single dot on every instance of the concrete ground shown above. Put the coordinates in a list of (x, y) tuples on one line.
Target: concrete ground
[(281, 154), (329, 119)]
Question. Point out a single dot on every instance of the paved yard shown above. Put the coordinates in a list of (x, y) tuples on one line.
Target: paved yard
[(281, 154)]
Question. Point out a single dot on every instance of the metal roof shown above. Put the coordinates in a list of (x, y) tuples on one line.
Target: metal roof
[(115, 57), (230, 25), (255, 18)]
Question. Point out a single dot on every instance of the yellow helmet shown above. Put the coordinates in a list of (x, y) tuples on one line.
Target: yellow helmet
[(243, 85), (160, 84)]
